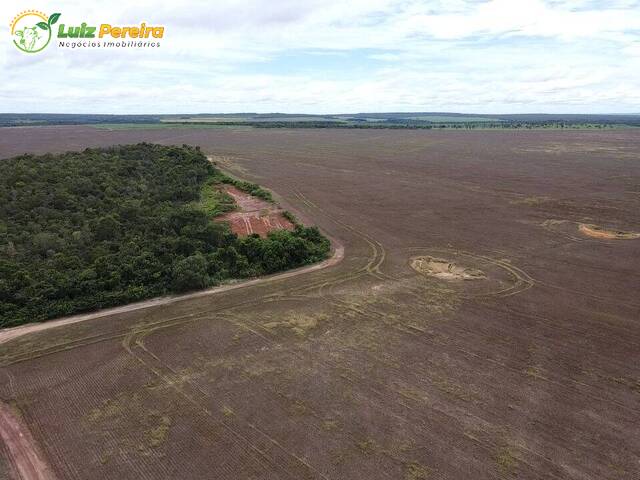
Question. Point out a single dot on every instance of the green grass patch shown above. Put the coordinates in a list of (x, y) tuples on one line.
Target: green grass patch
[(162, 125), (247, 187), (291, 217), (214, 201), (452, 119)]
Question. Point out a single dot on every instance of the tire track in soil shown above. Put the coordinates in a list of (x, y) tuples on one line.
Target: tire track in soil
[(561, 380), (203, 314), (254, 329), (523, 282), (16, 332), (270, 450), (372, 268), (378, 251), (337, 257), (389, 395), (488, 446)]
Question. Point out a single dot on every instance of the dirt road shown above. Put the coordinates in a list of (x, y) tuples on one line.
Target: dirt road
[(27, 459), (15, 332)]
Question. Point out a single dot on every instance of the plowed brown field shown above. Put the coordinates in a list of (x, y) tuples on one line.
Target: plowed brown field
[(516, 354)]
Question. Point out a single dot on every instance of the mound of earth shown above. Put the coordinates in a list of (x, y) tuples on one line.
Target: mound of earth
[(599, 232), (445, 269)]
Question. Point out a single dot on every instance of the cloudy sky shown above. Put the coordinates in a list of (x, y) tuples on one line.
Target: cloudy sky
[(336, 56)]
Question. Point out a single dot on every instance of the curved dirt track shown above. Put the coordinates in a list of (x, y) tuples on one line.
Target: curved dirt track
[(15, 332), (370, 369)]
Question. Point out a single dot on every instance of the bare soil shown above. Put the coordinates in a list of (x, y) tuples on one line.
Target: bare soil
[(599, 232), (445, 269), (370, 369), (27, 459), (254, 215)]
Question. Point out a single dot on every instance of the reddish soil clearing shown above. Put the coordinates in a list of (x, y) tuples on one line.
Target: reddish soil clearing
[(597, 232), (373, 368), (254, 215), (26, 457)]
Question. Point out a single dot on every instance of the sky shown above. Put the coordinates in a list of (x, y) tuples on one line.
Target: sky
[(326, 56)]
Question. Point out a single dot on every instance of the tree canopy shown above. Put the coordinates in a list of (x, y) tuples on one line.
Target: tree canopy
[(86, 230)]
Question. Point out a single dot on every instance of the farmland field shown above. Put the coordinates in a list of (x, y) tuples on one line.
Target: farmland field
[(484, 322)]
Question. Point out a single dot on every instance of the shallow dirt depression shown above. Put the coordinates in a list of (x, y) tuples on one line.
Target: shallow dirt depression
[(445, 269), (598, 232)]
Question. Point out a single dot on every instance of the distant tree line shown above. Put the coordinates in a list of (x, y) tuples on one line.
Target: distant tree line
[(35, 119), (86, 230), (388, 120), (410, 125), (413, 120)]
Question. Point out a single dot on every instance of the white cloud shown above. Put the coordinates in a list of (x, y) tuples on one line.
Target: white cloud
[(254, 55)]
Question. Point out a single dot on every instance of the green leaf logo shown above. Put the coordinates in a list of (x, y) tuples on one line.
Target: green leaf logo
[(32, 30), (54, 18)]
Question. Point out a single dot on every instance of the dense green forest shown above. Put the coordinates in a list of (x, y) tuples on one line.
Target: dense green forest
[(101, 227)]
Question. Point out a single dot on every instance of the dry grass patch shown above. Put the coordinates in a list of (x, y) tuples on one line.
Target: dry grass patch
[(416, 471), (445, 269), (505, 459), (299, 323)]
